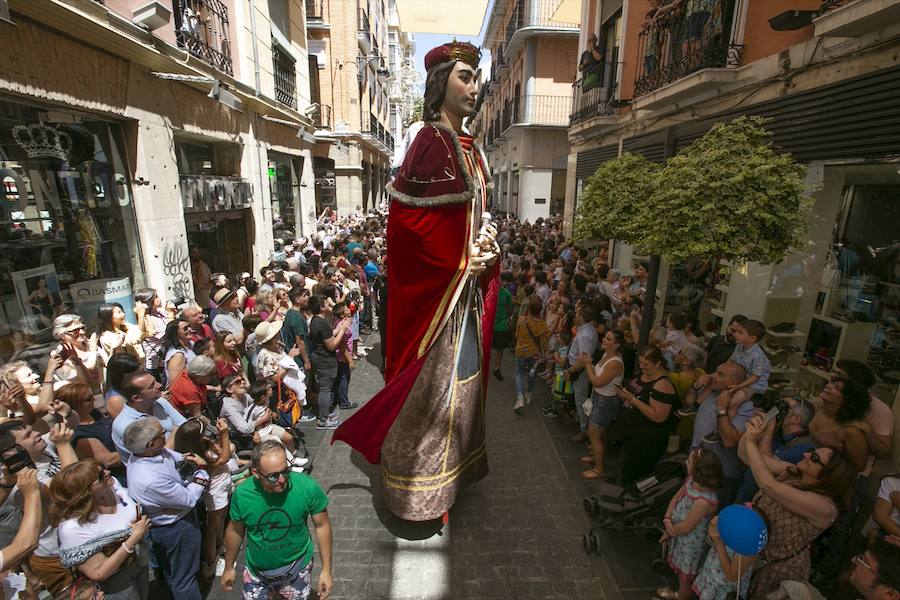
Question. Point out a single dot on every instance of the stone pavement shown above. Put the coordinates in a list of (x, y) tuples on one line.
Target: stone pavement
[(517, 534)]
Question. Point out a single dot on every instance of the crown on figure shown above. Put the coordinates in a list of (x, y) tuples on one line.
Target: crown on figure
[(42, 141), (464, 51)]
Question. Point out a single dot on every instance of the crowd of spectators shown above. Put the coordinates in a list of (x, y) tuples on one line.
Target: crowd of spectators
[(802, 463), (157, 441)]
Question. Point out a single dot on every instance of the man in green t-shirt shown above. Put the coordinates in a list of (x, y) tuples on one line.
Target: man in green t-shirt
[(502, 338), (272, 510)]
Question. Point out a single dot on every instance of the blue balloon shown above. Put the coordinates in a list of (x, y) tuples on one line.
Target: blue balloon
[(743, 530)]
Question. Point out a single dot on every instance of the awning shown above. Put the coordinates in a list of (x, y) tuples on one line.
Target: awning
[(568, 11), (460, 17)]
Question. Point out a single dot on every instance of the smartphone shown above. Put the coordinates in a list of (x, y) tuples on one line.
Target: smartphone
[(16, 458), (773, 412)]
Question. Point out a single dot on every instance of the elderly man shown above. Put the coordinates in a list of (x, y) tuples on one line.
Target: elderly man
[(188, 391), (713, 429), (195, 318), (228, 317), (141, 391), (272, 510), (168, 499)]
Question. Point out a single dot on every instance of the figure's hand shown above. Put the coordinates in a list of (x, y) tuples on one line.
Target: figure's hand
[(713, 530), (478, 263), (191, 457), (27, 481), (221, 426), (10, 397)]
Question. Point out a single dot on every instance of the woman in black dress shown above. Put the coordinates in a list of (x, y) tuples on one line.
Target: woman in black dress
[(649, 401)]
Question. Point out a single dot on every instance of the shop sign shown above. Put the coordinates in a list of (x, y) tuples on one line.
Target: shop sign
[(209, 192), (87, 297), (99, 184)]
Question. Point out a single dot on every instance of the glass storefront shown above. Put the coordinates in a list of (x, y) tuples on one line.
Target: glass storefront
[(284, 183), (68, 238), (216, 205)]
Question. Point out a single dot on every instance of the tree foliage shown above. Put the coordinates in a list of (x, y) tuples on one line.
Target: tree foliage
[(727, 195), (613, 200)]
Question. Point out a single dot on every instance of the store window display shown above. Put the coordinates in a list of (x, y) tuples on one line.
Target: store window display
[(68, 240)]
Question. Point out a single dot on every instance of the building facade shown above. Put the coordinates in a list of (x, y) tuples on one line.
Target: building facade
[(524, 107), (348, 44), (403, 87), (131, 137), (826, 75)]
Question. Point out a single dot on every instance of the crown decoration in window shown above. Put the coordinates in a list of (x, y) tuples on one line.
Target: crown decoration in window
[(42, 141)]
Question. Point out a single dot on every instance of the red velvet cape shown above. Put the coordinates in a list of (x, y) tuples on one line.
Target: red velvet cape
[(427, 234)]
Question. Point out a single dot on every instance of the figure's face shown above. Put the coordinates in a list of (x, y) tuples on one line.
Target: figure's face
[(118, 316), (462, 90)]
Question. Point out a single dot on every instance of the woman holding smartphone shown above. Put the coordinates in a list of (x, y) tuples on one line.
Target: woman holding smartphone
[(648, 399), (100, 528)]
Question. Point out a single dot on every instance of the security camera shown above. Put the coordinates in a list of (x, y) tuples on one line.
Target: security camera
[(311, 109)]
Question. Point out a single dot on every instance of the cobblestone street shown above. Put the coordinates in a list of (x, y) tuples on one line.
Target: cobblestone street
[(514, 535)]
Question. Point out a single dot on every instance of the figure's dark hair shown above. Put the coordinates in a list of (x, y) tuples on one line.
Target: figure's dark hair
[(435, 90), (707, 469)]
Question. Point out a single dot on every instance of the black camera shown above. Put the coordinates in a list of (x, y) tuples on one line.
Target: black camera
[(179, 300), (186, 469)]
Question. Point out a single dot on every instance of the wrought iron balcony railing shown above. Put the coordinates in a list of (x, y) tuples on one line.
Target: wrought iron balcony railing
[(285, 71), (315, 10), (682, 38), (322, 118), (594, 92), (534, 13), (201, 28)]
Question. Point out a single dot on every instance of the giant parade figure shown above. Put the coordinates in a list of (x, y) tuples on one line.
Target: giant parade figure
[(426, 427)]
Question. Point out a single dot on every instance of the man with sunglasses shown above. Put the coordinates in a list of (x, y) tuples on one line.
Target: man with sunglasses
[(876, 572), (272, 510)]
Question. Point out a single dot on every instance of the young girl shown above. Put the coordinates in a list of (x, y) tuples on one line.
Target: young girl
[(562, 393), (228, 361), (220, 462), (687, 518), (261, 393), (722, 568)]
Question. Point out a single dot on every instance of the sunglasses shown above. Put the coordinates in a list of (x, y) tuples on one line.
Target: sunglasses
[(273, 477), (816, 459)]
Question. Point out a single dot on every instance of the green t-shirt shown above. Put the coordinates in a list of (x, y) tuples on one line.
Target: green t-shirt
[(277, 534), (295, 325), (501, 320)]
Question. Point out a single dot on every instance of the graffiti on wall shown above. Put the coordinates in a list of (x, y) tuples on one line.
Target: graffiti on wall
[(177, 269)]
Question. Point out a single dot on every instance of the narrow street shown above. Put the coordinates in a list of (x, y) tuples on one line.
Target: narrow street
[(517, 534)]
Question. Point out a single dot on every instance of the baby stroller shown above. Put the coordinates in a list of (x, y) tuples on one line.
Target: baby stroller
[(639, 506)]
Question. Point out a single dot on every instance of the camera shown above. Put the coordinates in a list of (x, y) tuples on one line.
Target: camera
[(16, 458), (179, 301), (186, 469)]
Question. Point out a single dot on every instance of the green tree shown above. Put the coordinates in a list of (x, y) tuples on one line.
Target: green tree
[(612, 203), (729, 195), (417, 111)]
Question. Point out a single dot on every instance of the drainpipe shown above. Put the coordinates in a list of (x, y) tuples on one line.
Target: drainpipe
[(255, 49)]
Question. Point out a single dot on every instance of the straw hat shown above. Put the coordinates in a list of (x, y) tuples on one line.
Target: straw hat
[(266, 330), (223, 296)]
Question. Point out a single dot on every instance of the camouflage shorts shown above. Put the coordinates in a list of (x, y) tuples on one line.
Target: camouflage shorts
[(295, 589)]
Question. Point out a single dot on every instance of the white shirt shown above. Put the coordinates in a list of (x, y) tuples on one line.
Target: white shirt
[(610, 388), (889, 485), (72, 533)]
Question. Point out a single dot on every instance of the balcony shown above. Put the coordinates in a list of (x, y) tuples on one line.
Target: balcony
[(530, 110), (285, 71), (315, 14), (594, 93), (530, 17), (363, 33), (322, 118), (201, 28), (687, 40), (381, 137), (853, 18)]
